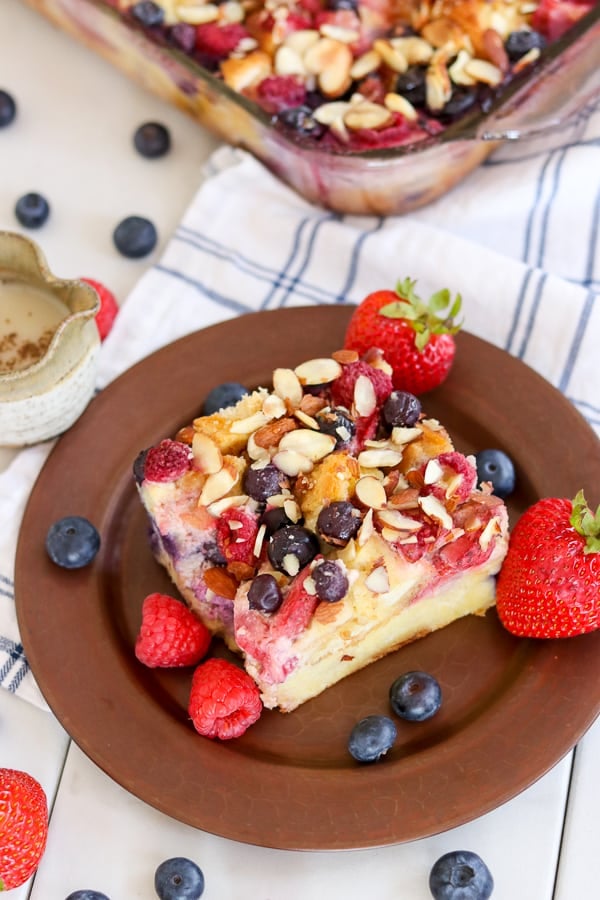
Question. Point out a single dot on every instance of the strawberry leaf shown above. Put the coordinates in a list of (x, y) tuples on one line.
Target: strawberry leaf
[(586, 523), (436, 316)]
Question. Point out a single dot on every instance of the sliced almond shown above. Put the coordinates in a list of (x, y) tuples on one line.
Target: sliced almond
[(367, 115), (231, 11), (292, 510), (492, 528), (274, 406), (483, 71), (393, 58), (318, 371), (258, 543), (290, 564), (452, 484), (366, 530), (328, 113), (288, 61), (327, 612), (219, 506), (378, 580), (207, 456), (405, 499), (309, 586), (199, 14), (221, 582), (185, 435), (292, 463), (379, 459), (286, 385), (442, 31), (312, 405), (330, 61), (393, 518), (306, 420), (399, 104), (271, 434), (438, 87), (254, 451), (371, 492), (436, 510), (301, 40), (493, 49), (240, 74), (217, 485), (345, 357), (314, 445), (249, 424), (365, 64), (433, 472), (402, 434), (457, 70), (339, 33), (530, 57), (364, 399), (416, 50)]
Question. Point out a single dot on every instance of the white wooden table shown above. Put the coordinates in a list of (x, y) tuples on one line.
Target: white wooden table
[(73, 142)]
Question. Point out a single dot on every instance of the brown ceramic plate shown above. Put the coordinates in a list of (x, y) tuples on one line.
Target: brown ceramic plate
[(512, 708)]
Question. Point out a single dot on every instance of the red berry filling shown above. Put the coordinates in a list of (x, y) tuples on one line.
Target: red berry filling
[(219, 40), (342, 389), (279, 92), (236, 535), (168, 461)]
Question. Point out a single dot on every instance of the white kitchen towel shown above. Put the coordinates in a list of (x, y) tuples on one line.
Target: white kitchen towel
[(248, 243)]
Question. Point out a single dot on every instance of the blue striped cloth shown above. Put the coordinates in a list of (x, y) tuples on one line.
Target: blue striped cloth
[(519, 240)]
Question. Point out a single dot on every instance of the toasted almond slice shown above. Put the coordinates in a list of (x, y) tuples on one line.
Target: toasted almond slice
[(457, 69), (240, 74), (314, 445), (393, 58), (371, 492), (339, 33), (200, 14), (329, 113), (292, 510), (345, 357), (207, 456), (301, 40), (292, 463), (399, 104), (220, 582), (483, 71), (492, 528), (254, 451), (365, 64), (405, 499), (331, 62), (364, 399), (378, 581), (340, 130), (452, 485), (312, 405), (231, 11), (436, 510), (258, 543), (309, 586), (288, 62), (416, 50), (271, 434), (442, 32), (411, 539), (527, 59), (249, 424), (379, 459), (433, 472), (306, 420), (367, 115), (246, 45), (274, 407), (318, 371), (376, 359), (402, 434), (185, 435), (290, 564), (494, 51), (438, 87), (286, 385), (393, 518), (366, 530), (216, 508), (217, 485)]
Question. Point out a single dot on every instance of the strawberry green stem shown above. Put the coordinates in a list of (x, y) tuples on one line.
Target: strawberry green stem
[(435, 316), (586, 523)]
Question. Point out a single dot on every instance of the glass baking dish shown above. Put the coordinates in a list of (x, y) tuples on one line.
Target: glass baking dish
[(387, 181)]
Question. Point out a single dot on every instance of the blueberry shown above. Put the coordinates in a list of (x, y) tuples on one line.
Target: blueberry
[(342, 4), (415, 696), (401, 408), (261, 482), (411, 84), (338, 424), (152, 140), (460, 875), (148, 13), (497, 467), (371, 738), (338, 522), (301, 120), (72, 542), (275, 519), (330, 581), (293, 542), (183, 36), (8, 108), (87, 895), (222, 396), (520, 42), (32, 210), (178, 879), (264, 594), (135, 237), (462, 100), (138, 466)]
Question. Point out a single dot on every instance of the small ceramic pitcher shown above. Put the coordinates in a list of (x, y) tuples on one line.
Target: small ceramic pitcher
[(48, 376)]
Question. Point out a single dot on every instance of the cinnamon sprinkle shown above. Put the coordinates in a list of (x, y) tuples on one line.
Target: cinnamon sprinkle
[(16, 353)]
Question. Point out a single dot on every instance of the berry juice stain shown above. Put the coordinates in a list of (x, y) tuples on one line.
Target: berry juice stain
[(29, 317)]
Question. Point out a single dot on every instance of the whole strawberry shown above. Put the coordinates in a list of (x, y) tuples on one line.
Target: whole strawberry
[(170, 635), (549, 584), (109, 307), (23, 827), (416, 337)]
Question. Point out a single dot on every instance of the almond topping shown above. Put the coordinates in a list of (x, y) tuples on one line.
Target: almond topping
[(318, 371), (185, 435), (415, 50), (331, 61), (370, 492), (406, 499), (198, 15), (367, 115), (312, 405), (366, 530), (338, 33), (365, 64), (292, 463), (457, 69), (216, 508), (232, 11), (375, 459), (345, 357), (365, 399), (216, 486), (378, 581), (274, 406), (207, 456), (254, 451), (290, 564), (292, 510), (394, 519), (309, 586), (301, 40), (288, 62), (492, 528), (327, 612), (240, 74), (249, 424), (332, 112), (287, 386), (433, 472), (402, 434), (392, 57), (399, 104), (436, 510), (221, 582), (483, 71), (258, 543), (314, 445), (306, 420), (271, 434)]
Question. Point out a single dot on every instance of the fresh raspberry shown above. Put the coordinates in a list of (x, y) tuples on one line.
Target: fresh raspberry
[(109, 307), (342, 389), (224, 700), (219, 40), (458, 465), (167, 462), (170, 634), (236, 541), (278, 92)]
